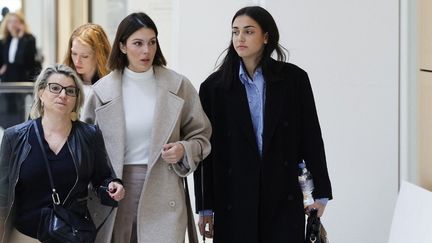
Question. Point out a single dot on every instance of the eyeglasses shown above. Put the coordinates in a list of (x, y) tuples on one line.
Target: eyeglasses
[(57, 89)]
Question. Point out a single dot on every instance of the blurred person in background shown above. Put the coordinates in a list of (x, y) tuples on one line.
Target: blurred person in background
[(17, 64), (18, 50)]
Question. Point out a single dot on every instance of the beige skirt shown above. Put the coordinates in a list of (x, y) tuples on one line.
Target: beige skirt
[(125, 225), (18, 237)]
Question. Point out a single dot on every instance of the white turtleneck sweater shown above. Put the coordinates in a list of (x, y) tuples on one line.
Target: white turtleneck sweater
[(139, 98)]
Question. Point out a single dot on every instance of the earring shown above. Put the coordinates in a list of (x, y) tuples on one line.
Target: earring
[(73, 116)]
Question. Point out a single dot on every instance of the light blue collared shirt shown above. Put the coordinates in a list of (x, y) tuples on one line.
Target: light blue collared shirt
[(255, 91)]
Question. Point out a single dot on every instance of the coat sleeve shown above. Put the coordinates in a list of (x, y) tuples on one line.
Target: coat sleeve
[(312, 145), (195, 130), (103, 173)]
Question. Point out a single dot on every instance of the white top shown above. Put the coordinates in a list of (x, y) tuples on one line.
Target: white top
[(13, 47), (139, 98)]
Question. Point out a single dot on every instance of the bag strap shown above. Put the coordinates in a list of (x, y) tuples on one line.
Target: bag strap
[(191, 229), (54, 195), (202, 194)]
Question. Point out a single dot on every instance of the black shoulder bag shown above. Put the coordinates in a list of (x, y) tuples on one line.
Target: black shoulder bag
[(60, 224)]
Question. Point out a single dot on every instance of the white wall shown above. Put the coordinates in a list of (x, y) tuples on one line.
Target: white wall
[(41, 18), (350, 50)]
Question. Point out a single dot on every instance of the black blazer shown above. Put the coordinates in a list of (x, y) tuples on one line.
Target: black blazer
[(258, 198), (24, 67), (90, 159)]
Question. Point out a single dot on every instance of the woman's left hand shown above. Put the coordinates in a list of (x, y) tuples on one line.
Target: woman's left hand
[(318, 206), (172, 152), (116, 190)]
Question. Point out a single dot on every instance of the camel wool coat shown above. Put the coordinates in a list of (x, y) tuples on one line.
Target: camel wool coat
[(178, 117)]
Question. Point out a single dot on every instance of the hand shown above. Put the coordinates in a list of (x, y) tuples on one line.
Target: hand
[(172, 152), (116, 190), (202, 225), (318, 206)]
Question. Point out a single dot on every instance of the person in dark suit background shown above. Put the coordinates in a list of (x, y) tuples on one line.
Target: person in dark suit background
[(18, 50), (17, 64), (264, 124)]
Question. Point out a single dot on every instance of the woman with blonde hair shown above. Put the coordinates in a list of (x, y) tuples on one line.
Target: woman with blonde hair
[(88, 52), (17, 64), (73, 151), (18, 50)]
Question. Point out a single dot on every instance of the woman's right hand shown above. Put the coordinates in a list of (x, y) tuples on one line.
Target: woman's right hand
[(202, 225), (116, 190)]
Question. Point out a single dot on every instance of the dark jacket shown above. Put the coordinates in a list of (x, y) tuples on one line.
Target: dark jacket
[(24, 67), (88, 153), (259, 199)]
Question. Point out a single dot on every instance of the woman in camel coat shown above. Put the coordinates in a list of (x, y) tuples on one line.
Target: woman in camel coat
[(155, 133)]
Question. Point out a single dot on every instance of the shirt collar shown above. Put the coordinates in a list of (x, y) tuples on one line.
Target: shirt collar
[(243, 74)]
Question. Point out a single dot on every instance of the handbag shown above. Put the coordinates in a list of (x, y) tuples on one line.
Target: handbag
[(191, 229), (61, 224), (315, 232)]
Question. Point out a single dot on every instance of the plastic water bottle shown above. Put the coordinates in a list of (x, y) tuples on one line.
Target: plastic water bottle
[(306, 184)]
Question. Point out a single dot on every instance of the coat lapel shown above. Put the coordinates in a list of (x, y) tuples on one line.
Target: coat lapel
[(167, 111), (111, 115), (238, 104), (274, 103), (273, 106)]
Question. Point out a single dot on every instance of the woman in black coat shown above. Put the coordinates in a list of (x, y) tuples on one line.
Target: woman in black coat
[(18, 50), (264, 124)]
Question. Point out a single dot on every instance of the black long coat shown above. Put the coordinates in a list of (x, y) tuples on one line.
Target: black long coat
[(259, 199)]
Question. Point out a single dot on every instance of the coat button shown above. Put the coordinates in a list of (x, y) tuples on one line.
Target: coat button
[(290, 197), (229, 207), (229, 171), (285, 163), (172, 203)]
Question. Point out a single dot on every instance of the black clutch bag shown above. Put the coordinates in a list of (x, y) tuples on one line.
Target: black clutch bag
[(315, 232)]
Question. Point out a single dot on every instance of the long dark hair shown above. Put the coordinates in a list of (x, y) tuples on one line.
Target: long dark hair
[(133, 22), (230, 64)]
